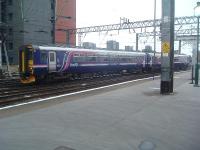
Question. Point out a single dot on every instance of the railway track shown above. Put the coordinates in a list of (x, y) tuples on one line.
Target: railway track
[(12, 92)]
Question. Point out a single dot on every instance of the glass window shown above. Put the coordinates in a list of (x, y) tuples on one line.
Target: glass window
[(43, 57), (11, 60), (30, 55), (52, 5), (10, 46), (78, 59), (10, 31), (52, 57), (52, 33), (75, 59), (105, 59), (91, 59), (10, 2), (10, 16)]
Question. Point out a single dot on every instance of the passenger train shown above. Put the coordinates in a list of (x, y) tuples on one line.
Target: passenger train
[(41, 62)]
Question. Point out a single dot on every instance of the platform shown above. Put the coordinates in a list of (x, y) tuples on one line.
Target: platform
[(127, 117)]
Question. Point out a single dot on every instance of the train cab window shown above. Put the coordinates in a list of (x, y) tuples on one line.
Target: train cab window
[(31, 55)]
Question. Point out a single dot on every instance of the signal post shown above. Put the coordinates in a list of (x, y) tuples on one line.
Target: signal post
[(167, 47)]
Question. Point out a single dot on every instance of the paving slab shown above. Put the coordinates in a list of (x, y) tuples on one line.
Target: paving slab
[(131, 117)]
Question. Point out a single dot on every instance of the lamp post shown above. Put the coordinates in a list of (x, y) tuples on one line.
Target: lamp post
[(154, 39), (197, 14)]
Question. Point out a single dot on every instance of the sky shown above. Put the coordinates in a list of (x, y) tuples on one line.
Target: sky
[(101, 12)]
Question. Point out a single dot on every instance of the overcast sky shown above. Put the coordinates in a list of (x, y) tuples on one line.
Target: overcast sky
[(101, 12)]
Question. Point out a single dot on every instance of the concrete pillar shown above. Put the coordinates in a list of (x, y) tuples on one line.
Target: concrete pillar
[(167, 40)]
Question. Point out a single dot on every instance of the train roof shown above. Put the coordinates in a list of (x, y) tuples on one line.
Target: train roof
[(87, 50)]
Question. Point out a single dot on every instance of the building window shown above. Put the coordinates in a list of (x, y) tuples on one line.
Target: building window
[(10, 31), (10, 16), (11, 60), (52, 33), (10, 2), (3, 19), (52, 5), (10, 46)]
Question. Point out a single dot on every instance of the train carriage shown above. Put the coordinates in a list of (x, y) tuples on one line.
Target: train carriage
[(40, 62), (181, 62), (153, 63)]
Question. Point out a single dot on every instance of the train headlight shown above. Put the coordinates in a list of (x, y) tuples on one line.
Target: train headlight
[(31, 69)]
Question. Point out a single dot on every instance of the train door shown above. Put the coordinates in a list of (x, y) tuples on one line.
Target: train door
[(52, 61), (26, 60)]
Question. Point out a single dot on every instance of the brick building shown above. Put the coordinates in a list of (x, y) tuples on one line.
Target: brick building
[(36, 22)]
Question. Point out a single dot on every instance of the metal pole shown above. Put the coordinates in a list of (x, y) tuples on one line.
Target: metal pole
[(7, 60), (0, 55), (68, 38), (154, 37), (192, 77), (172, 14), (137, 41), (1, 58), (179, 47), (54, 18), (197, 65), (22, 12)]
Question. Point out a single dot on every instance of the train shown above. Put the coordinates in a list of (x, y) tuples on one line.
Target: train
[(38, 63)]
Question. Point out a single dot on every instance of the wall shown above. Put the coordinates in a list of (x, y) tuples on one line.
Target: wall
[(65, 8), (37, 22), (30, 24)]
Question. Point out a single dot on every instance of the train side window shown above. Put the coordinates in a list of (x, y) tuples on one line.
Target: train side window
[(105, 59), (81, 59), (91, 59), (75, 59), (176, 59), (43, 57), (78, 59)]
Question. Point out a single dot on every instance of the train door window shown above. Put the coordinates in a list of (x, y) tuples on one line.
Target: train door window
[(52, 57), (52, 61)]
